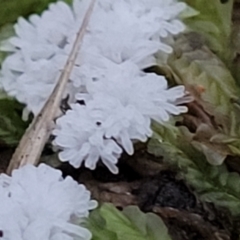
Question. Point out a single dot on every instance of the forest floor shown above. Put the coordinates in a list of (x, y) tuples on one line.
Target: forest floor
[(148, 182)]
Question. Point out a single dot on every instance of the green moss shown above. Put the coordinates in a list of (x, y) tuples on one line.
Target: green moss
[(10, 10)]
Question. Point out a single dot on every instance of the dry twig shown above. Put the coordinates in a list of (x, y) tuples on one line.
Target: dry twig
[(36, 136)]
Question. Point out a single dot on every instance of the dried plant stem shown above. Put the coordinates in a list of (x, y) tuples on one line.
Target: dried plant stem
[(33, 141)]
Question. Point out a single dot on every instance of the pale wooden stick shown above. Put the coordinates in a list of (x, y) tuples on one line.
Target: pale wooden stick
[(33, 141)]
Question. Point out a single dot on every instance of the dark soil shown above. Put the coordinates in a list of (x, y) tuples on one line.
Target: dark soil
[(164, 190), (165, 194)]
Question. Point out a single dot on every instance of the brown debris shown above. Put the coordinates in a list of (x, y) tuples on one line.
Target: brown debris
[(200, 229), (119, 194)]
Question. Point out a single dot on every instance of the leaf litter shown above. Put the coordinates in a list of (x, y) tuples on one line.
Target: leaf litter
[(165, 193)]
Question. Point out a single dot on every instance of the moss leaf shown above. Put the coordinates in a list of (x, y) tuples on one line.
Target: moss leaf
[(108, 223), (212, 183), (214, 21), (215, 112)]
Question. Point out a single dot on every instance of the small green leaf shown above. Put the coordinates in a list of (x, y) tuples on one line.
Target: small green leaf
[(108, 223), (214, 21), (98, 226), (149, 224), (189, 12)]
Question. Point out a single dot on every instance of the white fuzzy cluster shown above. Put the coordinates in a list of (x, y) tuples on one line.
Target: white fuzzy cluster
[(118, 99), (37, 203)]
